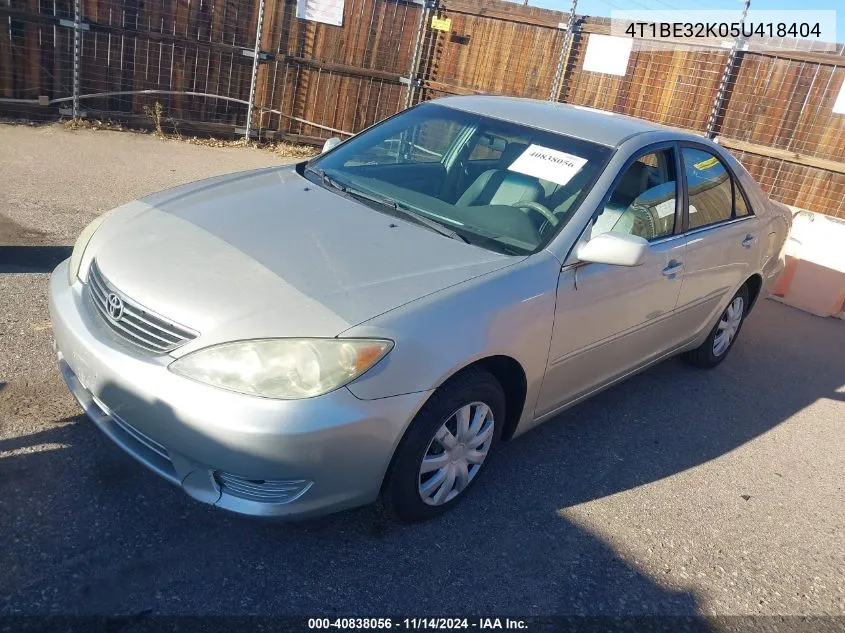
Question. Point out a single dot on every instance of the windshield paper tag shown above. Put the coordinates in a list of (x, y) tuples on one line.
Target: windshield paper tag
[(548, 164)]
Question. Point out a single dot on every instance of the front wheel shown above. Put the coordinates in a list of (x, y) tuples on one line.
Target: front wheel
[(723, 335), (445, 448)]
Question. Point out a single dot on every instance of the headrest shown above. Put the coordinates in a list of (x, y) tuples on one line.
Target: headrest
[(654, 196), (634, 182), (515, 187)]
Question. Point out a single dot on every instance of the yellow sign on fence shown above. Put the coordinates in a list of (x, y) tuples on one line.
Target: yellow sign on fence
[(441, 24)]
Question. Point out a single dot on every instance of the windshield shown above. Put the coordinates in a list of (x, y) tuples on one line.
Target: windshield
[(494, 183)]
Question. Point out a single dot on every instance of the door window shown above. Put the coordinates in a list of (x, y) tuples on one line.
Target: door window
[(643, 201), (740, 207), (713, 196)]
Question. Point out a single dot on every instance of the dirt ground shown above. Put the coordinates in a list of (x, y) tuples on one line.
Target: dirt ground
[(678, 492)]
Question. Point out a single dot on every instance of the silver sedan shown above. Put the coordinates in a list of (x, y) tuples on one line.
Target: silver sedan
[(297, 340)]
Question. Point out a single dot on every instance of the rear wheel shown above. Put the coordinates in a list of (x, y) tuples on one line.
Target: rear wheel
[(445, 448), (723, 335)]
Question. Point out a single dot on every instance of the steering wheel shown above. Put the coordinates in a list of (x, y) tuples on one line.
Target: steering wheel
[(530, 205)]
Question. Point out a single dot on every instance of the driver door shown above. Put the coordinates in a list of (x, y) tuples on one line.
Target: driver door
[(610, 320)]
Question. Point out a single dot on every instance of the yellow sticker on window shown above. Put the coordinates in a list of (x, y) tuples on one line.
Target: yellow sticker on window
[(707, 164), (441, 24)]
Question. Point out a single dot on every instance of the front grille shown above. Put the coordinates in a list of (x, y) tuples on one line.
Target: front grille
[(137, 325), (262, 490)]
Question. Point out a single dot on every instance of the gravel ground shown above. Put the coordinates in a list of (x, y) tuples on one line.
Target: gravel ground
[(678, 492)]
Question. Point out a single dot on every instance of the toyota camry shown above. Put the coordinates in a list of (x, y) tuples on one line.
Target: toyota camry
[(370, 323)]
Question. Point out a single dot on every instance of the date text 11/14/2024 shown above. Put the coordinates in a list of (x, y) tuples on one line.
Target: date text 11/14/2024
[(441, 624)]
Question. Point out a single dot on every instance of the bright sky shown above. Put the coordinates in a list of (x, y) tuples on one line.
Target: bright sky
[(604, 7)]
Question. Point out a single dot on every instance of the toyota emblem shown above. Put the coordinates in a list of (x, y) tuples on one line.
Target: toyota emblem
[(114, 305)]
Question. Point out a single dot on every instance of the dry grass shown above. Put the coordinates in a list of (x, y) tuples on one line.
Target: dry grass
[(280, 148), (95, 124), (157, 118)]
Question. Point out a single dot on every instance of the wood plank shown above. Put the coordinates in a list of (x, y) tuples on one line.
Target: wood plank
[(343, 68), (441, 86), (501, 11), (6, 88), (829, 59), (781, 154)]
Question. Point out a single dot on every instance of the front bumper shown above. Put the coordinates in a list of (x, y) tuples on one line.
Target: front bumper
[(251, 455)]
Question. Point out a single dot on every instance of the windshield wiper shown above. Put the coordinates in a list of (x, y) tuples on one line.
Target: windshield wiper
[(388, 202), (327, 180), (402, 209)]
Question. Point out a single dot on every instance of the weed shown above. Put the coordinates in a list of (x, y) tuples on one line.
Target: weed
[(155, 113)]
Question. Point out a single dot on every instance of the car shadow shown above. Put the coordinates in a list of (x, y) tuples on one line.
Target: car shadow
[(84, 529), (674, 417), (32, 259)]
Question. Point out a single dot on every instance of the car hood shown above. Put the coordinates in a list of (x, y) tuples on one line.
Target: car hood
[(268, 253)]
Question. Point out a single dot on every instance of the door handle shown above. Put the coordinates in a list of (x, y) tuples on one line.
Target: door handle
[(672, 269), (749, 241)]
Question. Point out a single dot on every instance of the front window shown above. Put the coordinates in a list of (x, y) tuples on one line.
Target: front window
[(644, 201), (500, 185)]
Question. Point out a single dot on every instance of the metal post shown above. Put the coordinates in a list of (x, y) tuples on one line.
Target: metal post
[(730, 66), (256, 52), (416, 57), (564, 53), (77, 36)]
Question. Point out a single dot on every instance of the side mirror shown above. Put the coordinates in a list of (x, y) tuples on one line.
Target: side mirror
[(615, 249), (330, 144)]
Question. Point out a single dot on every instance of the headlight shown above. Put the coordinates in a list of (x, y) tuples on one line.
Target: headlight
[(81, 243), (283, 368)]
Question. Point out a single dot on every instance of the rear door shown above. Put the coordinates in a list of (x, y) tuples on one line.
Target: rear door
[(722, 237)]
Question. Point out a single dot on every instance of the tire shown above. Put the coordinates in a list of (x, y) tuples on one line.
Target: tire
[(710, 353), (402, 492)]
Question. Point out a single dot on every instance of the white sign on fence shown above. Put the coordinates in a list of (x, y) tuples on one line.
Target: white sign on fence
[(608, 54), (326, 11), (839, 106)]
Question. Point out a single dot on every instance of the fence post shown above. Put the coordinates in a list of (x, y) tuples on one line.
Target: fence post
[(730, 67), (564, 53), (416, 57), (255, 55), (77, 35)]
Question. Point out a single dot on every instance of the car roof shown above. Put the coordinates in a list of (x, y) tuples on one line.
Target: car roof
[(598, 126)]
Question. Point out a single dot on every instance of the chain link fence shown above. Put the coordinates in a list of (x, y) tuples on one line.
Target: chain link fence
[(253, 68)]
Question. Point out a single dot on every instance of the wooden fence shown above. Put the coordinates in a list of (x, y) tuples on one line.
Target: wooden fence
[(118, 58)]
